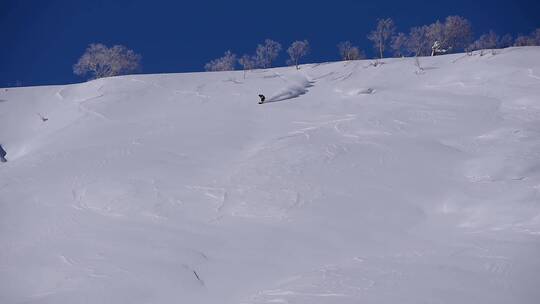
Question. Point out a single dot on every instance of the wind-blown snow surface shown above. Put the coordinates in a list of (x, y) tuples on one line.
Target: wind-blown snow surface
[(358, 184)]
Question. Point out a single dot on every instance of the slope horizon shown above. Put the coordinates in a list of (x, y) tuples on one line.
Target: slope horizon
[(369, 61), (46, 38)]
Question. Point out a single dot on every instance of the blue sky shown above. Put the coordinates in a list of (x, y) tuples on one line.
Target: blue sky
[(41, 39)]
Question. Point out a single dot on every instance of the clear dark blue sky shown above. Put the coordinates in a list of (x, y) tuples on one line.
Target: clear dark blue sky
[(42, 39)]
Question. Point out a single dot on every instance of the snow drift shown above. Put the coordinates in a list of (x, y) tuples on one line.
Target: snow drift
[(294, 86)]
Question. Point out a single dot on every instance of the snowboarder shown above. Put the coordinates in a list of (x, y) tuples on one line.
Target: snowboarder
[(261, 96)]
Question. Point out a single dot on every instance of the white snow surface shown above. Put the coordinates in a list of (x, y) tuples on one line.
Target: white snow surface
[(356, 184)]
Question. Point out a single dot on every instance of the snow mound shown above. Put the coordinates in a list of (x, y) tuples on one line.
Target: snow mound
[(295, 86), (354, 91)]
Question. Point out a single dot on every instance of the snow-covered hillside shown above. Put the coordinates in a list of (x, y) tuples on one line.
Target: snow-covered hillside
[(354, 184)]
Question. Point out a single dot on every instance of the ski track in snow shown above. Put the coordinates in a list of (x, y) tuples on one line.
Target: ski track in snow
[(87, 110), (314, 126)]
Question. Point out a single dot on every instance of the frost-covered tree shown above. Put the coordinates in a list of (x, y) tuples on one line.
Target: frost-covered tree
[(435, 32), (100, 61), (225, 63), (399, 44), (532, 39), (381, 34), (506, 41), (436, 35), (489, 40), (486, 41), (458, 33), (522, 40), (297, 50), (451, 36), (418, 42), (266, 53), (248, 63), (347, 51), (535, 37)]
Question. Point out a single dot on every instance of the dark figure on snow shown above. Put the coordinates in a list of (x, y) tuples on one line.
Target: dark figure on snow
[(261, 96), (2, 155)]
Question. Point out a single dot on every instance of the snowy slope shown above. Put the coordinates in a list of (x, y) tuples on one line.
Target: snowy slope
[(355, 184)]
